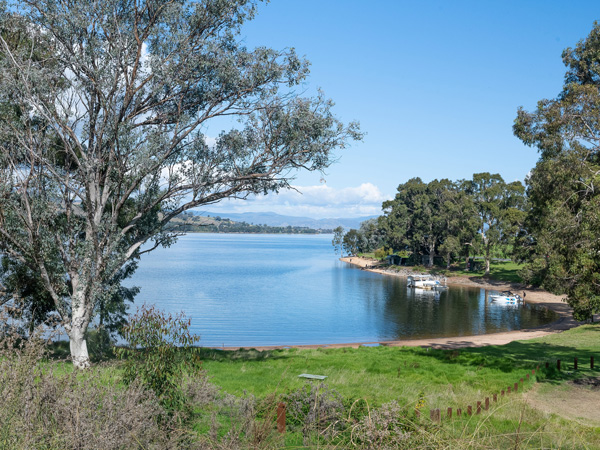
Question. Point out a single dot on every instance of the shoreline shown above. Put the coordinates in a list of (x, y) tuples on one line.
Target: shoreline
[(536, 296)]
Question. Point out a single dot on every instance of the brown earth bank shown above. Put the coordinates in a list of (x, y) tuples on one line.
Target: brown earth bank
[(536, 296)]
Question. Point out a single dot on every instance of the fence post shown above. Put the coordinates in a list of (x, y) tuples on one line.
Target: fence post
[(478, 407), (558, 364), (532, 371), (438, 415), (521, 381), (487, 403), (281, 417), (469, 410), (502, 393), (575, 364), (527, 377), (508, 391), (449, 413), (458, 412), (516, 387), (495, 397)]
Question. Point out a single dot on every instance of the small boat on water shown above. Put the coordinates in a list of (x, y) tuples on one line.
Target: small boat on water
[(424, 282), (506, 297)]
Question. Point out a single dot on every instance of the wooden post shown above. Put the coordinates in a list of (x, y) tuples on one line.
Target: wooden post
[(487, 403), (521, 381), (469, 410), (281, 418), (495, 397), (502, 393), (591, 362), (532, 371), (438, 415), (558, 364), (459, 412), (478, 407), (516, 387), (575, 364), (527, 377), (547, 365), (508, 391), (449, 413)]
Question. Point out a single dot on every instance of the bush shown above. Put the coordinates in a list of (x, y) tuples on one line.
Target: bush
[(44, 408), (160, 353)]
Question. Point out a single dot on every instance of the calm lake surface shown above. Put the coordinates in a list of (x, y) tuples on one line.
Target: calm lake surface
[(251, 290)]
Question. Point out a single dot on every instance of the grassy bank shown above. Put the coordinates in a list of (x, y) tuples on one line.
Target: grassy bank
[(368, 399), (435, 379)]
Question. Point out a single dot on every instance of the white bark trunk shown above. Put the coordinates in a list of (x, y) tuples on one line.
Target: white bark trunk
[(79, 323), (78, 345)]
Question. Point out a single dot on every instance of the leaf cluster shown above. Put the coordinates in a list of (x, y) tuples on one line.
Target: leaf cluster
[(159, 353)]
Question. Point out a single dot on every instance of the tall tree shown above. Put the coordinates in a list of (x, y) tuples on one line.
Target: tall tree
[(104, 143), (500, 209), (562, 240), (412, 219)]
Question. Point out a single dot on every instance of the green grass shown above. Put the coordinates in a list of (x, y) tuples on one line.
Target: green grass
[(506, 271), (446, 378), (381, 374)]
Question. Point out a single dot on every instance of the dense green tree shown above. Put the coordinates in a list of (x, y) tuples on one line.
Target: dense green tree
[(373, 236), (413, 220), (499, 208), (561, 242), (353, 242), (104, 142)]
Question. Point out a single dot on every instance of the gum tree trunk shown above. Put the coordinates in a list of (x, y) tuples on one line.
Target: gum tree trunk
[(78, 346)]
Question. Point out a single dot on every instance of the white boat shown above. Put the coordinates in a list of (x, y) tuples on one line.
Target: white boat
[(506, 297), (424, 282)]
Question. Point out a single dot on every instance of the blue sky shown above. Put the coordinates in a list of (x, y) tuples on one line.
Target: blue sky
[(434, 84)]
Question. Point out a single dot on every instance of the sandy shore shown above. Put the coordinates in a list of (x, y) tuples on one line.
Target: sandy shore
[(565, 319)]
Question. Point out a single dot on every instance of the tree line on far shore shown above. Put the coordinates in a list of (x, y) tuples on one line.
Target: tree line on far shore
[(443, 218), (552, 225)]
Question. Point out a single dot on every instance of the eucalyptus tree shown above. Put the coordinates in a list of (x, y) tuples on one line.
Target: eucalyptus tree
[(338, 239), (499, 208), (562, 244), (412, 220), (104, 141), (373, 236)]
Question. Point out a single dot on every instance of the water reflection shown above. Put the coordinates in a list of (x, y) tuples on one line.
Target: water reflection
[(252, 290)]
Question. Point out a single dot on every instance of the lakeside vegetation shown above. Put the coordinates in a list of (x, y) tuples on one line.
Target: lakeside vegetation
[(103, 118), (368, 399)]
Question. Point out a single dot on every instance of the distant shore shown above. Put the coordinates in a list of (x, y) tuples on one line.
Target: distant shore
[(535, 296)]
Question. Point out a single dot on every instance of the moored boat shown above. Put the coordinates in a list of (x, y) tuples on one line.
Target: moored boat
[(424, 282), (506, 297)]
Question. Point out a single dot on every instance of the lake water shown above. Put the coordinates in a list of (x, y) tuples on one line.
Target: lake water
[(252, 290)]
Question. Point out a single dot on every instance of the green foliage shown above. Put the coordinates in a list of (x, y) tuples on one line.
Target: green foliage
[(139, 84), (160, 351), (380, 253), (500, 210), (561, 238)]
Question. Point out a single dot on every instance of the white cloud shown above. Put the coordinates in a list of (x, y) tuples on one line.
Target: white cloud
[(320, 201)]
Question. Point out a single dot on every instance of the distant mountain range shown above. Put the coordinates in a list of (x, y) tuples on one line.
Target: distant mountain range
[(277, 220)]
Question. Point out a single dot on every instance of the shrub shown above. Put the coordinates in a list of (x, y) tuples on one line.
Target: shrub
[(42, 407), (160, 353)]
